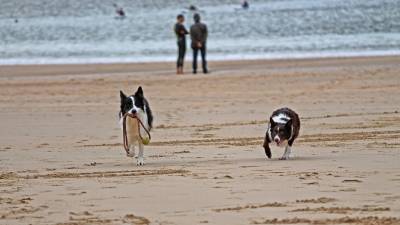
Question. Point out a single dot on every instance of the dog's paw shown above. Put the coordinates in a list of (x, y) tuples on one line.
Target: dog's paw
[(140, 162), (284, 158)]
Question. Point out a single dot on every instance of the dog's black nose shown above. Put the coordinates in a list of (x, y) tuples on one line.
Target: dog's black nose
[(133, 111)]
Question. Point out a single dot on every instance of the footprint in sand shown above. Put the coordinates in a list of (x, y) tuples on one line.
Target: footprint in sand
[(348, 190), (351, 181), (224, 177), (316, 201), (42, 145), (84, 213), (135, 219)]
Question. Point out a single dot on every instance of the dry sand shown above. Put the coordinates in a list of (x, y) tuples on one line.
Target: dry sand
[(62, 160)]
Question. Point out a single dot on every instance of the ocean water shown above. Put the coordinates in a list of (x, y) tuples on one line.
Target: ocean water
[(86, 31)]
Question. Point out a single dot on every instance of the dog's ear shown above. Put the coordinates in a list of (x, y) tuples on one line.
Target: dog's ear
[(122, 95), (139, 92), (272, 122)]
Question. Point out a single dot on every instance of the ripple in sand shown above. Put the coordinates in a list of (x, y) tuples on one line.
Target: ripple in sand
[(344, 220), (251, 206), (99, 174)]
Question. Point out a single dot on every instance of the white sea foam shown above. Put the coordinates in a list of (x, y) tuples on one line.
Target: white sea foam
[(92, 60)]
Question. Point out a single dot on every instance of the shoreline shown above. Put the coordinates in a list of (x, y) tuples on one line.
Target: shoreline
[(211, 57), (168, 68)]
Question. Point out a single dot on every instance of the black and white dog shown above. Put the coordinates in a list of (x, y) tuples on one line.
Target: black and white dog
[(136, 104), (283, 129)]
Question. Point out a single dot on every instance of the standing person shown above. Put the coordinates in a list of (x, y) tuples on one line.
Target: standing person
[(198, 34), (181, 33)]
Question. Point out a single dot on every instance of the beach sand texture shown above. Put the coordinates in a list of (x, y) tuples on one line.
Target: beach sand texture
[(62, 160)]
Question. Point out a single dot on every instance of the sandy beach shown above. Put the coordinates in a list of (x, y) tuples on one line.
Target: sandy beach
[(62, 159)]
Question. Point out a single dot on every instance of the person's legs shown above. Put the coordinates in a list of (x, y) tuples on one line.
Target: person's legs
[(203, 58), (195, 51), (181, 55)]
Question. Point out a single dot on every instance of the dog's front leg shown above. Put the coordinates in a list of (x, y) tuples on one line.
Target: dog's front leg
[(266, 146), (287, 152), (131, 152), (267, 150), (140, 159)]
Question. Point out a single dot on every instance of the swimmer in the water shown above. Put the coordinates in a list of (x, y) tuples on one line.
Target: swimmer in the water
[(245, 4), (192, 8), (120, 11)]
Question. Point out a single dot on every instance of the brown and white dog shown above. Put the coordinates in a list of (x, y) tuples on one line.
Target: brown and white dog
[(283, 129)]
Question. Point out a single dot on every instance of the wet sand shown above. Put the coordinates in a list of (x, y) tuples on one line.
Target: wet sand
[(62, 160)]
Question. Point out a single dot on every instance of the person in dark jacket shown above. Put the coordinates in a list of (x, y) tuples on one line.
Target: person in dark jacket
[(181, 33), (198, 34)]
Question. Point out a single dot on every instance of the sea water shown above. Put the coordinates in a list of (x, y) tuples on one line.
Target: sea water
[(88, 31)]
